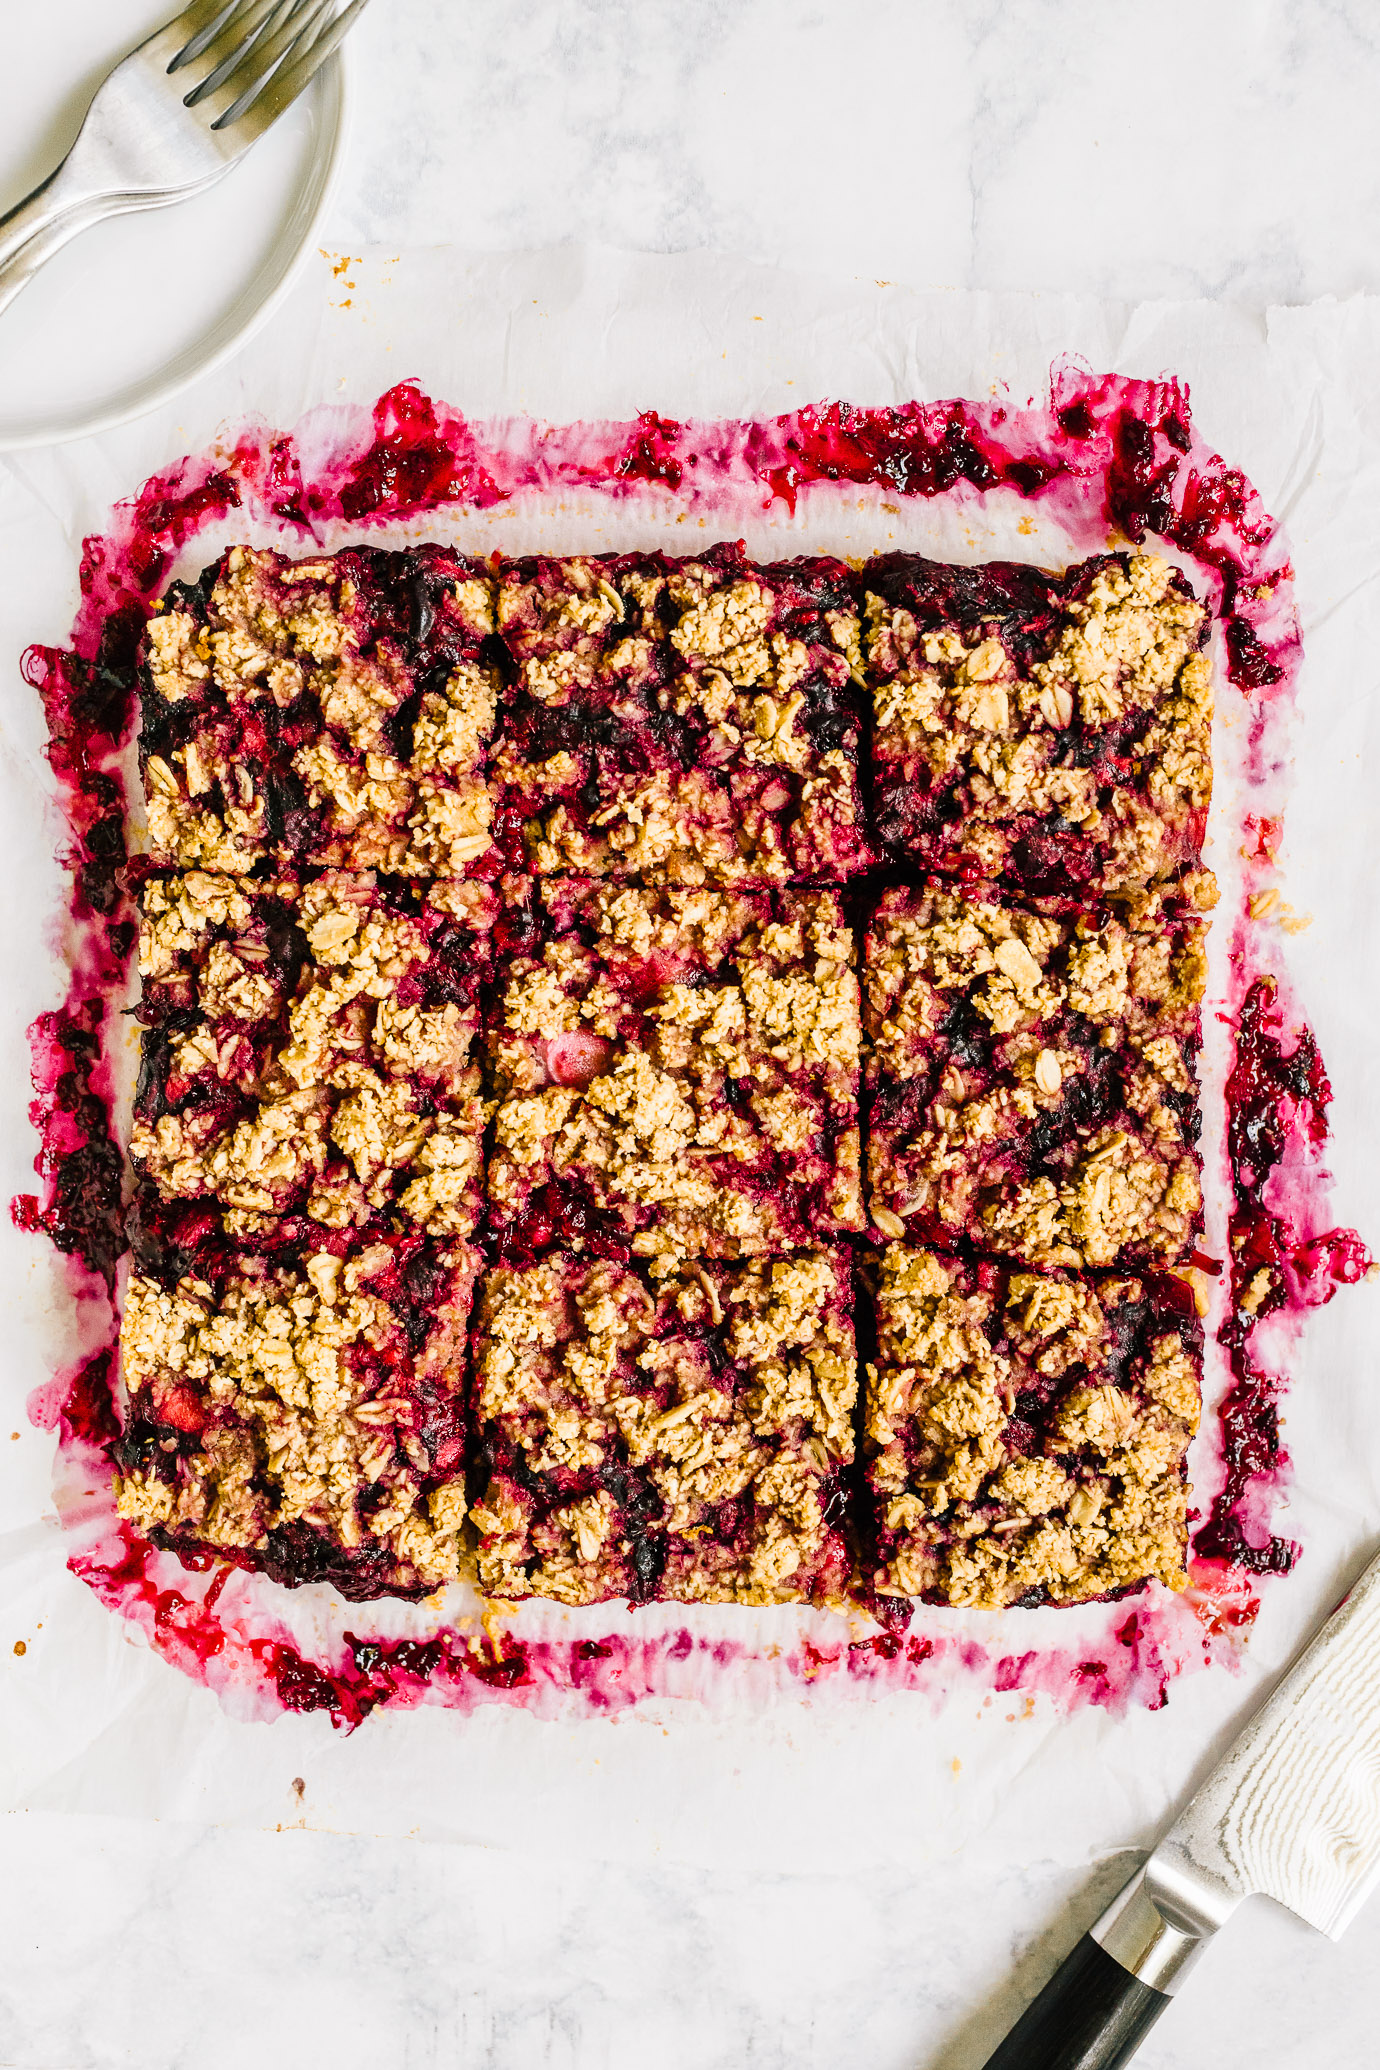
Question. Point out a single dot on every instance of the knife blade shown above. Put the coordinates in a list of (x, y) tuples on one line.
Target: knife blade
[(1291, 1812)]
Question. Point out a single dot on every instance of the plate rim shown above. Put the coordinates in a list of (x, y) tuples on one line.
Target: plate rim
[(333, 87)]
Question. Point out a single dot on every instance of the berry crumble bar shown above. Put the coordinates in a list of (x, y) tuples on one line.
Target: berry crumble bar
[(678, 1434), (305, 1420), (334, 712), (688, 722), (1025, 1432), (1032, 1074), (306, 1051), (676, 1072), (1053, 731), (498, 919)]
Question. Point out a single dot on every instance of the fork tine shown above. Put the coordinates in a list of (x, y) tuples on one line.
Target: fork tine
[(201, 21), (243, 33), (266, 102), (238, 85)]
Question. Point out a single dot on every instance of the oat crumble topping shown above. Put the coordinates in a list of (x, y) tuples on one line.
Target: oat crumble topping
[(279, 722), (1056, 732), (505, 901), (1033, 1073), (677, 1431), (307, 1047), (285, 1414), (681, 722), (1025, 1433), (679, 1068)]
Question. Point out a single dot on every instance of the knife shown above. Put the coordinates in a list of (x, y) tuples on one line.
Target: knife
[(1292, 1811)]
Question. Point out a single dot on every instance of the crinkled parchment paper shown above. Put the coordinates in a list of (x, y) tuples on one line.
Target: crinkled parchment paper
[(91, 1719)]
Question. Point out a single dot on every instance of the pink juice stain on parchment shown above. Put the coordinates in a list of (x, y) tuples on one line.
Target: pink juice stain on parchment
[(1113, 459)]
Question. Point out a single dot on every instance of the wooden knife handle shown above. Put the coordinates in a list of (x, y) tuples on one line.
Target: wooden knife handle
[(1091, 2015)]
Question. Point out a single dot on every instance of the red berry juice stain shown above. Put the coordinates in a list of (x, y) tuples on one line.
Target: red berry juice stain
[(421, 456), (1113, 459), (1278, 1097), (649, 455)]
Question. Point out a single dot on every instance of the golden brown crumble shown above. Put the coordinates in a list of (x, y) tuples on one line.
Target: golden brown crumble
[(1058, 999), (334, 1072), (588, 1368), (760, 802), (297, 1428), (951, 713), (276, 629), (966, 1510), (651, 1136)]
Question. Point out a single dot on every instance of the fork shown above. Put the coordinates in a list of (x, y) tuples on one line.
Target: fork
[(172, 118)]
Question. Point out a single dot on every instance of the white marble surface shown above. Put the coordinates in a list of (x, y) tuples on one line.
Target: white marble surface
[(179, 1948), (1178, 151), (1183, 150)]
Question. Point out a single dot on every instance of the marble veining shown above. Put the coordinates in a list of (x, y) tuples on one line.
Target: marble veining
[(181, 1948), (1225, 151)]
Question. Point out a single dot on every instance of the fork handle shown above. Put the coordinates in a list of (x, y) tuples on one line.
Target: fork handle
[(40, 225), (68, 201)]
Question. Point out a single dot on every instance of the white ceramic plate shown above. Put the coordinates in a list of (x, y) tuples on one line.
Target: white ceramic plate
[(139, 306)]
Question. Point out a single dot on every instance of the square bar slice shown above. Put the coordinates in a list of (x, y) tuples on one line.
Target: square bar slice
[(1032, 1074), (333, 712), (686, 722), (304, 1420), (307, 1051), (1052, 731), (1025, 1433), (676, 1072), (678, 1436)]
